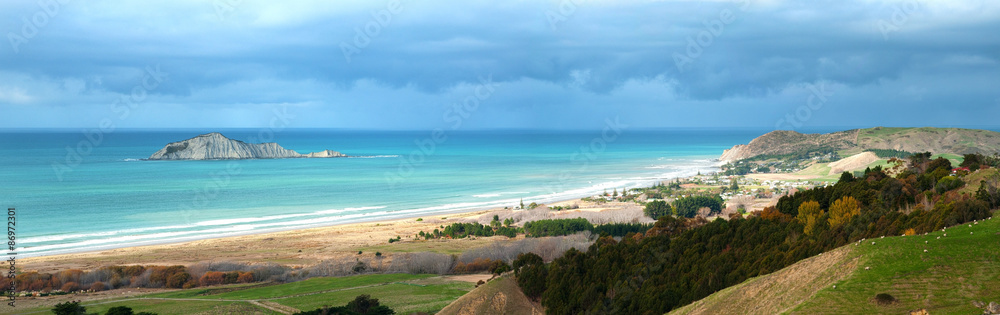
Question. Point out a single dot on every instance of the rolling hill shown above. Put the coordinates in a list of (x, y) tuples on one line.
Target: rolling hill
[(955, 273), (934, 140)]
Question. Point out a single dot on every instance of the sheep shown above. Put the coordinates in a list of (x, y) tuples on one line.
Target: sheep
[(883, 236), (925, 242), (945, 234), (867, 268), (938, 237), (873, 243), (970, 233), (925, 250)]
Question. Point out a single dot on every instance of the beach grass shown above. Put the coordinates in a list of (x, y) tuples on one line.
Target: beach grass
[(448, 247)]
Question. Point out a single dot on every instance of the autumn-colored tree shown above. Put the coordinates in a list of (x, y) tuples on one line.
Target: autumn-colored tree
[(843, 210), (70, 287), (772, 213), (98, 286), (212, 278), (245, 277), (809, 213)]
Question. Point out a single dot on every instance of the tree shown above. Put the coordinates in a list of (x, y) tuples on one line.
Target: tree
[(809, 213), (177, 280), (69, 308), (70, 287), (531, 274), (735, 186), (973, 161), (688, 207), (362, 304), (656, 209), (98, 286), (365, 304), (938, 164), (615, 193), (843, 210), (120, 310)]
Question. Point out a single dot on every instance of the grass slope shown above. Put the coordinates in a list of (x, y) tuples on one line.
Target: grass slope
[(956, 270), (499, 296)]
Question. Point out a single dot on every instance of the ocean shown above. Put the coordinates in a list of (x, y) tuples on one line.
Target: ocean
[(76, 192)]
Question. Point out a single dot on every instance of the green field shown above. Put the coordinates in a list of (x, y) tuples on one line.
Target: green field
[(956, 270), (405, 293), (427, 295)]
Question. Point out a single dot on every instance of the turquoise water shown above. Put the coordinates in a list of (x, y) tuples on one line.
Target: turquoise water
[(73, 193)]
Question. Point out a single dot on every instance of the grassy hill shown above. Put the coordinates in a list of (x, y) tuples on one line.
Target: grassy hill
[(956, 270), (405, 293), (499, 296)]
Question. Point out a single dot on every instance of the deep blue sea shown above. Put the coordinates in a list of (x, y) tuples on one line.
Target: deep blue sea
[(75, 193)]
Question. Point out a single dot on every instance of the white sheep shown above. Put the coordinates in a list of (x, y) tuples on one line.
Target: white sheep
[(925, 250), (925, 242), (873, 243), (883, 236), (866, 268), (945, 234), (938, 237), (970, 225), (970, 233)]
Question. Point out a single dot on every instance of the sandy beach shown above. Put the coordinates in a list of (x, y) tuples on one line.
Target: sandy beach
[(294, 248)]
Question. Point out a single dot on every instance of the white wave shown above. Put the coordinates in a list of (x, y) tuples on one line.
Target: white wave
[(61, 237)]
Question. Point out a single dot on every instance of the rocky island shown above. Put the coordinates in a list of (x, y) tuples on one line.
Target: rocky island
[(215, 146)]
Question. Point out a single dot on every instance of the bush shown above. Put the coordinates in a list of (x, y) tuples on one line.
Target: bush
[(98, 286), (362, 304), (177, 280), (69, 308), (120, 310), (885, 299), (556, 227), (70, 287), (212, 278)]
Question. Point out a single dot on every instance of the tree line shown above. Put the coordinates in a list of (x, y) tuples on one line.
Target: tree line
[(681, 260)]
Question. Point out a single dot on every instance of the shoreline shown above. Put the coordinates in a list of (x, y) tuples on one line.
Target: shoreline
[(293, 247), (368, 218)]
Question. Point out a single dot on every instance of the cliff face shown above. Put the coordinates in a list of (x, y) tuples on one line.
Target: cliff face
[(934, 140), (787, 142), (215, 146)]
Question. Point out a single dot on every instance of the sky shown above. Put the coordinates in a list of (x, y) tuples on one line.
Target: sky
[(567, 64)]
